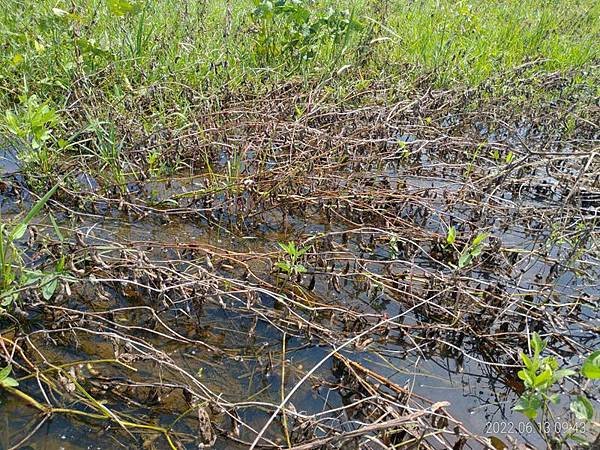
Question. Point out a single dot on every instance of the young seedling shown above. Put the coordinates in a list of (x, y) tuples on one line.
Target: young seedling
[(538, 376), (5, 379), (541, 375), (472, 251), (290, 264), (32, 124), (451, 235)]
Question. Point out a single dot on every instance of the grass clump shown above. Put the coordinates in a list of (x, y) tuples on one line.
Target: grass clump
[(102, 52), (472, 41)]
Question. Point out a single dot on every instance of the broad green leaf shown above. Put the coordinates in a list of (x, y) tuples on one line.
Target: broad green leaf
[(528, 406), (7, 299), (12, 123), (526, 377), (283, 266), (300, 268), (89, 46), (464, 260), (9, 382), (582, 408), (451, 236), (560, 374), (543, 378), (554, 398), (526, 360), (480, 238), (30, 276), (591, 366), (5, 372), (264, 8), (49, 285), (537, 344), (301, 252), (476, 251), (551, 362)]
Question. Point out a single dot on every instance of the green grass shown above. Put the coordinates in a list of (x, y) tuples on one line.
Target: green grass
[(472, 41), (147, 64), (52, 48)]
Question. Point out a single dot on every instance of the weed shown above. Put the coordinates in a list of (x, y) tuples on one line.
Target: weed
[(591, 367), (451, 235), (471, 251), (156, 166), (541, 376), (297, 31), (472, 163), (11, 261), (472, 40), (5, 379), (122, 8), (394, 248), (46, 281), (290, 265), (233, 173), (538, 375), (509, 157), (107, 149), (32, 123)]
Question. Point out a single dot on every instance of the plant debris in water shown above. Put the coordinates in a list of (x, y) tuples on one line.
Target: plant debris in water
[(315, 241)]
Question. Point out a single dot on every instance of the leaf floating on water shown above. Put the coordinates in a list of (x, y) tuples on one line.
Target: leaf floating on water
[(5, 372), (5, 380), (311, 284), (205, 430), (49, 285), (497, 443)]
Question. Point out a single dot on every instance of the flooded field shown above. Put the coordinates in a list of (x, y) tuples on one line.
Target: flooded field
[(320, 282)]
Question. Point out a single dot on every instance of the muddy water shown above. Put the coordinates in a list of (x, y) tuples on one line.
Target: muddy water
[(478, 397), (248, 366)]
